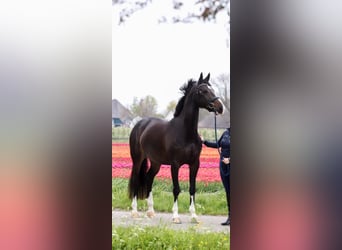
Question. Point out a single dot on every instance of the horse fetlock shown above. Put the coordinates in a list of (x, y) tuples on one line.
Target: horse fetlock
[(192, 209), (150, 213), (135, 214), (176, 220), (194, 219)]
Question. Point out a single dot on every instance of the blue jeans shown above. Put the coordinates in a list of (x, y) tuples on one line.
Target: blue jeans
[(225, 174)]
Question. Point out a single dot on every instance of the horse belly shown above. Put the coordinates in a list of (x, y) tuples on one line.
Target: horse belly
[(184, 155), (157, 156), (155, 151)]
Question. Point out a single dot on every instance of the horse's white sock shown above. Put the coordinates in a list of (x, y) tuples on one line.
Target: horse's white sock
[(134, 205), (192, 207), (175, 210), (150, 202)]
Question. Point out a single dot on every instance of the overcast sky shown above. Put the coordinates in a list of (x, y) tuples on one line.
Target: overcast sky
[(156, 59)]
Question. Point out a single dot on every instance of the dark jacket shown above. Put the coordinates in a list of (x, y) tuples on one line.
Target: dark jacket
[(223, 143)]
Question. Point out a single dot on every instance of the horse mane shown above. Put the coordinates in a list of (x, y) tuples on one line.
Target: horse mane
[(186, 90)]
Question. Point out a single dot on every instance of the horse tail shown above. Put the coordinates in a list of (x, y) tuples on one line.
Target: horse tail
[(137, 181)]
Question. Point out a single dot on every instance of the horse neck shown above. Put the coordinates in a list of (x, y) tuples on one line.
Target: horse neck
[(189, 116)]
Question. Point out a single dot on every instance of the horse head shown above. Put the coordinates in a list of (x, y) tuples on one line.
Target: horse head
[(205, 96)]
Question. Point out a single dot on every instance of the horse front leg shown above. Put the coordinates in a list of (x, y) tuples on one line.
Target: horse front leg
[(176, 191), (192, 190)]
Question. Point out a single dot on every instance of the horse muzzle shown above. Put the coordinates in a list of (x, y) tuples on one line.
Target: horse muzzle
[(215, 105)]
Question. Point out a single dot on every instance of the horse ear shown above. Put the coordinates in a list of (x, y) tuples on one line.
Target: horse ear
[(201, 78), (207, 78)]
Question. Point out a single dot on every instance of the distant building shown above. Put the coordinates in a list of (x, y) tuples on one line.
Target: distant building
[(121, 116), (116, 122)]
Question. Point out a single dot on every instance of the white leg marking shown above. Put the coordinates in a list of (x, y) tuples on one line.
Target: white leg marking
[(192, 207), (193, 210), (175, 216), (150, 210), (135, 207)]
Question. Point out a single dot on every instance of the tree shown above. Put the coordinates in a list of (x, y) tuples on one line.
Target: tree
[(144, 107), (170, 109), (222, 83), (205, 10)]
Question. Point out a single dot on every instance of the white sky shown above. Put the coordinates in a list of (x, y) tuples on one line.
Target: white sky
[(156, 59)]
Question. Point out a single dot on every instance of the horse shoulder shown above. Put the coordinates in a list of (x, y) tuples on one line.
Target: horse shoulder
[(154, 132)]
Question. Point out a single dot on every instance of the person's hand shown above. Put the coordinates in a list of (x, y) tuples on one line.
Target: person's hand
[(226, 160)]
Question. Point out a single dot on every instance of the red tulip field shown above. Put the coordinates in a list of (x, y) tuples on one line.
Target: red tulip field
[(208, 171)]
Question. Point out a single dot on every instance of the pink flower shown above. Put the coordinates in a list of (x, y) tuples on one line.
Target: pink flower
[(208, 171)]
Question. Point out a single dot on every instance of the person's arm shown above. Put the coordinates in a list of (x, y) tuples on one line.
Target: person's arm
[(210, 144), (213, 144)]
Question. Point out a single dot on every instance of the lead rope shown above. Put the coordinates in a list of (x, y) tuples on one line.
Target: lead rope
[(216, 133)]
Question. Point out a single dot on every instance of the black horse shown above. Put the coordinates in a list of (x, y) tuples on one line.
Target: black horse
[(175, 142)]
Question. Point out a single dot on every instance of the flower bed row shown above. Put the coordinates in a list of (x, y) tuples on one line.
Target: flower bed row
[(208, 171)]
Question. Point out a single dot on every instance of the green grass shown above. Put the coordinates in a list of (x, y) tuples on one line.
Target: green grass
[(120, 134), (156, 238), (210, 197)]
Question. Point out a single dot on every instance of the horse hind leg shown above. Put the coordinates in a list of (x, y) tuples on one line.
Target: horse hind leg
[(136, 181), (134, 212), (134, 205), (152, 172), (137, 185), (150, 211)]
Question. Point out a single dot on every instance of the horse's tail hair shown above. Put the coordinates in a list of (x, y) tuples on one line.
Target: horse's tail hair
[(137, 182)]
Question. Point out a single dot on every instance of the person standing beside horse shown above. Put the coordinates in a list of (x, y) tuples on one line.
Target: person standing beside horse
[(223, 145)]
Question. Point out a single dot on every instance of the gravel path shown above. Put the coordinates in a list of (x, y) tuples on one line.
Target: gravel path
[(207, 222)]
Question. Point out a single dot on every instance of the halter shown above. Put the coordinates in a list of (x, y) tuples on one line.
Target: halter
[(214, 99), (211, 101)]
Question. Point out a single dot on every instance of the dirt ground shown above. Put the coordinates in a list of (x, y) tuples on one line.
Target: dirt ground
[(207, 223)]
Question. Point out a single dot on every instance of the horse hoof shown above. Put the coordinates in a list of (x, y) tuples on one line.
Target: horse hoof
[(176, 221), (195, 220), (135, 214), (150, 214)]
